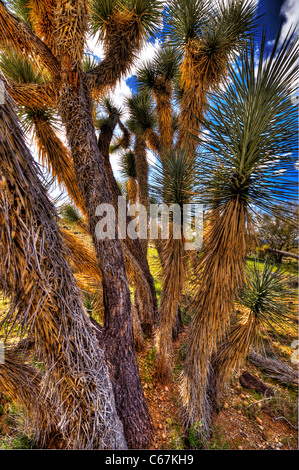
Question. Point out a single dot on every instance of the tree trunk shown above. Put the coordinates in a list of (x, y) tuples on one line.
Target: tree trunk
[(76, 113)]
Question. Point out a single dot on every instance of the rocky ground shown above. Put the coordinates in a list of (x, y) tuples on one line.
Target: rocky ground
[(247, 420)]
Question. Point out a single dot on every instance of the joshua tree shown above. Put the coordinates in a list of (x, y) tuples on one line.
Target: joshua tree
[(205, 36), (53, 35), (246, 147), (156, 78), (137, 268), (266, 297), (173, 185), (129, 173), (201, 40)]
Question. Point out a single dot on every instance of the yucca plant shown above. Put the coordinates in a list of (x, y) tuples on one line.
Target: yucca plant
[(266, 297), (54, 37), (156, 77), (247, 144), (122, 26), (141, 123)]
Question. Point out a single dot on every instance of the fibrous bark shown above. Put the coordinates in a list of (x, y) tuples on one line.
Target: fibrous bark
[(46, 301), (75, 110)]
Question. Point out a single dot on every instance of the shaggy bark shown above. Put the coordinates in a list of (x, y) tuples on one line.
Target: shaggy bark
[(133, 247), (146, 303), (75, 110), (46, 302)]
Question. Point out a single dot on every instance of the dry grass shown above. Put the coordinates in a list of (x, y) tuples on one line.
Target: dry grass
[(23, 384)]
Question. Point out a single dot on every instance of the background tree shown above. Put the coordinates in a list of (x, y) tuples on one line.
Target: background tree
[(201, 40), (36, 277), (280, 230)]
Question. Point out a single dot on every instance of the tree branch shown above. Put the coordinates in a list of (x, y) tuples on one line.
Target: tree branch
[(16, 34)]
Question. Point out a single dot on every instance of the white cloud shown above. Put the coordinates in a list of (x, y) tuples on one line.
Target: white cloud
[(122, 90), (151, 158), (289, 11)]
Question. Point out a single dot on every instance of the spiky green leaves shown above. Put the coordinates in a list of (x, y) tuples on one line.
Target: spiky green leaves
[(185, 20), (89, 62), (235, 20), (149, 12), (251, 128), (266, 294), (156, 74), (173, 178), (101, 13), (21, 8), (69, 213), (106, 108), (20, 69), (106, 14), (224, 24)]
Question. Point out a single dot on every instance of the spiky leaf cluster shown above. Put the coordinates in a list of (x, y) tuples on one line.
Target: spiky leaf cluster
[(245, 145)]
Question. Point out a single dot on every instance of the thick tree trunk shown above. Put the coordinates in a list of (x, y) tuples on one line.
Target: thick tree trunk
[(75, 110)]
